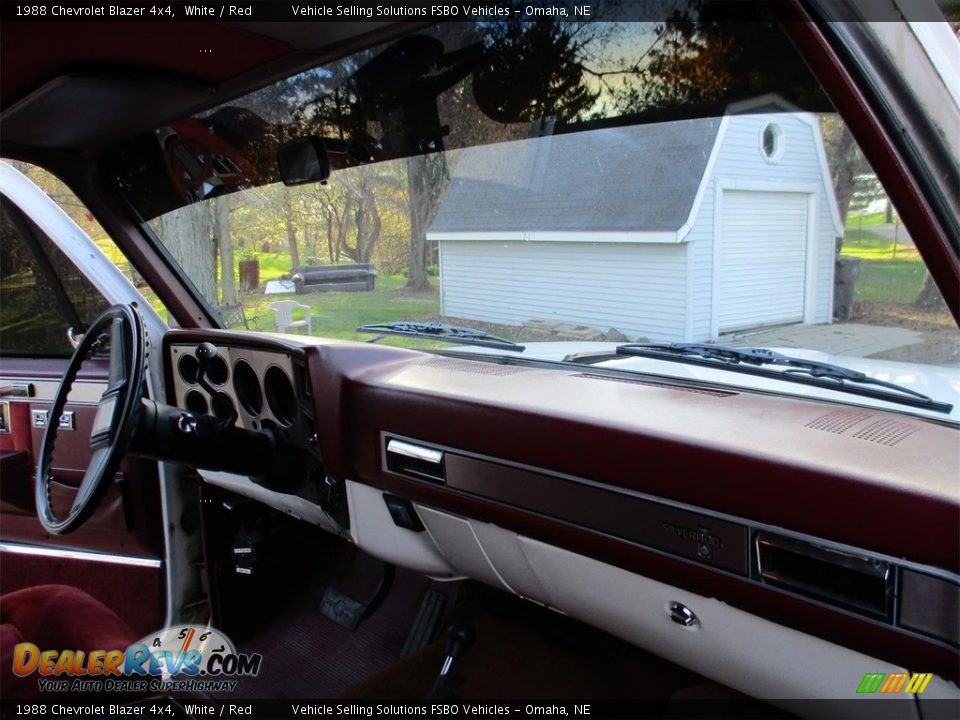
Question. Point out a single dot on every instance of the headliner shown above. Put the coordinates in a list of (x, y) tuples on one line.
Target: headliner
[(88, 68)]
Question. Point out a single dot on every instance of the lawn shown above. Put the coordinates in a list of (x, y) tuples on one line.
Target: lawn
[(337, 314), (887, 274), (857, 221), (272, 266)]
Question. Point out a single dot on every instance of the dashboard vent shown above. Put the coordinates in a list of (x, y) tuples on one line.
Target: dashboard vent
[(652, 383), (849, 581), (886, 431)]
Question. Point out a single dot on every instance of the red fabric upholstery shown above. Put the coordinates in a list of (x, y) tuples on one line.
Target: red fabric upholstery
[(54, 617)]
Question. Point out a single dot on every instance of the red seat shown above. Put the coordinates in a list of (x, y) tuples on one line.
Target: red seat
[(54, 617)]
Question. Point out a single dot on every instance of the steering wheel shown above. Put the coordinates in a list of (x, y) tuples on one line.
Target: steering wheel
[(121, 329)]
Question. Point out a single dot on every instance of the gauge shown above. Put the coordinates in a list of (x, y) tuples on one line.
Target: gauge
[(280, 395), (246, 385)]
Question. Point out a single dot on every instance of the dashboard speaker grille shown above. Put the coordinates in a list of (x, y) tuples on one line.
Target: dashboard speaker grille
[(477, 368), (838, 421), (886, 432)]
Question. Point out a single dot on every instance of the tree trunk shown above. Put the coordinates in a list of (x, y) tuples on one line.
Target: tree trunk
[(343, 226), (368, 225), (228, 286), (417, 273), (186, 233), (929, 297), (291, 230), (845, 173), (888, 213), (333, 260)]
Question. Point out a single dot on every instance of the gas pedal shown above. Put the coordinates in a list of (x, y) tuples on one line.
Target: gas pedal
[(427, 623)]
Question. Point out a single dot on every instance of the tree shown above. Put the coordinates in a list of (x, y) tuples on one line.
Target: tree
[(708, 52), (228, 286), (867, 191), (367, 218), (687, 63), (845, 160), (533, 70), (187, 234), (336, 207), (291, 225), (425, 179), (929, 297)]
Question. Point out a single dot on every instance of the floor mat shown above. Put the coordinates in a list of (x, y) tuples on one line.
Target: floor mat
[(522, 651), (306, 655)]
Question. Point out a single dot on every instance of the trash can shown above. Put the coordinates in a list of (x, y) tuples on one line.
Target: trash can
[(249, 271), (846, 272)]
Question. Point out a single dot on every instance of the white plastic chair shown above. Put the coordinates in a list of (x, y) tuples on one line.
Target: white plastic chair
[(283, 312)]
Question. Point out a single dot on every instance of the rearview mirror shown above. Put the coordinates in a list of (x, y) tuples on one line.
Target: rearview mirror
[(303, 160)]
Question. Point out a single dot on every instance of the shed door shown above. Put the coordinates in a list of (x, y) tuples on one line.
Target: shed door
[(762, 260)]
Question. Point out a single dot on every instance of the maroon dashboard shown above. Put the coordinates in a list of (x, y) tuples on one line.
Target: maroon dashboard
[(839, 521)]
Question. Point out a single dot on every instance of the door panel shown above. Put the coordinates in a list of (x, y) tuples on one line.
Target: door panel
[(121, 546), (117, 556), (135, 592)]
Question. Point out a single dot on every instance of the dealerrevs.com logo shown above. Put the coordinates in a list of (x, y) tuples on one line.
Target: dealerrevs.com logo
[(175, 659)]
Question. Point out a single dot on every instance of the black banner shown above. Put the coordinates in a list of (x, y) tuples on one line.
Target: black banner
[(608, 709), (307, 10), (409, 10)]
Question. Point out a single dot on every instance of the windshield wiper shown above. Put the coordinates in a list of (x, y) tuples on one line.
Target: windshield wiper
[(752, 361), (440, 331)]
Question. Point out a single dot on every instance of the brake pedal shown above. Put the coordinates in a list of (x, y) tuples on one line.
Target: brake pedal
[(342, 609)]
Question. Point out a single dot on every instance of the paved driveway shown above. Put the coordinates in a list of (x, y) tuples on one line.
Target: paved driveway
[(893, 232), (838, 338)]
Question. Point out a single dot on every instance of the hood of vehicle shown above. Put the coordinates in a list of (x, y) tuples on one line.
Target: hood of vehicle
[(938, 382)]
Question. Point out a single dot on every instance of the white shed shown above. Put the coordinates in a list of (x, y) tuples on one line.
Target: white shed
[(673, 231)]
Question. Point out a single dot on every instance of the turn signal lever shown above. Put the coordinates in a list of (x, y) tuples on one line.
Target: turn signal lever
[(459, 638), (164, 432)]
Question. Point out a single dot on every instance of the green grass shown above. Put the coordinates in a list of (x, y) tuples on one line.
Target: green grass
[(273, 265), (855, 221), (887, 275), (337, 314)]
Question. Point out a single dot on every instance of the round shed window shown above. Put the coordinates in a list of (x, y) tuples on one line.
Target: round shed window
[(771, 142)]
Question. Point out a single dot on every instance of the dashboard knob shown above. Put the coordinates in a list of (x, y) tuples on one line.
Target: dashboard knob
[(682, 615)]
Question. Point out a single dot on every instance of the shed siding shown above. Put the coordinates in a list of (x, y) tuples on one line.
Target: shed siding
[(638, 289), (740, 159)]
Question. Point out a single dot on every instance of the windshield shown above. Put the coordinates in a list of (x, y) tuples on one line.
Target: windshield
[(567, 186)]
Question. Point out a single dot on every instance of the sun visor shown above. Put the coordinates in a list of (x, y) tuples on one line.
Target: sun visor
[(83, 110)]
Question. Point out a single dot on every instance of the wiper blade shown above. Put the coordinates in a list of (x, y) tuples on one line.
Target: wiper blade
[(441, 331), (808, 372)]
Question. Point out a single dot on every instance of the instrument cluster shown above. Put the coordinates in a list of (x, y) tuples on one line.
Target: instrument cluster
[(252, 388)]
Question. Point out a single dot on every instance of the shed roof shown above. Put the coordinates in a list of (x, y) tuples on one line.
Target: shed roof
[(641, 178)]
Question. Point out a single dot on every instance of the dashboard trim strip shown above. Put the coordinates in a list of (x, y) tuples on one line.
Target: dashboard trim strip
[(651, 523), (753, 525)]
